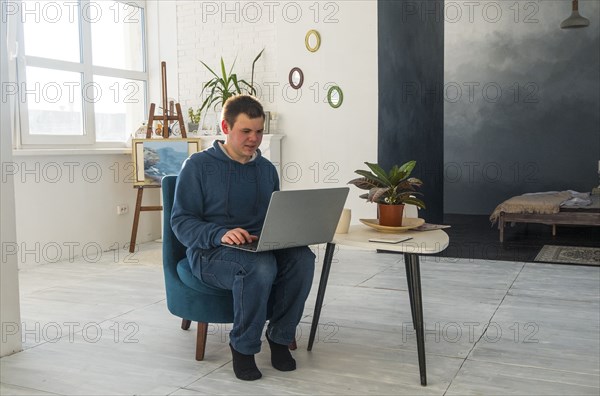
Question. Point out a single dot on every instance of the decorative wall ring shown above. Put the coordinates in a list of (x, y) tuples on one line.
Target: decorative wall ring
[(335, 96), (296, 78), (312, 40)]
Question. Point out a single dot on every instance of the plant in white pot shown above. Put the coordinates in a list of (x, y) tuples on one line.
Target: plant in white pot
[(194, 124), (390, 190)]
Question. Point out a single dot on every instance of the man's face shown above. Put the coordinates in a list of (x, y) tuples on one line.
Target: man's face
[(243, 137)]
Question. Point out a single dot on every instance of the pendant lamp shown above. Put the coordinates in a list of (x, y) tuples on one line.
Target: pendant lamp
[(575, 20)]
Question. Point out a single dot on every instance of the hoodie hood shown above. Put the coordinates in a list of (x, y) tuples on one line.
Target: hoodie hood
[(218, 152)]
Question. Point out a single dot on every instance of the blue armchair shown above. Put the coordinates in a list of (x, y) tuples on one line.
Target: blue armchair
[(187, 296)]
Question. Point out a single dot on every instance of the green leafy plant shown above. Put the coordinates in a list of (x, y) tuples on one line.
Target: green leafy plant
[(223, 86), (390, 188), (194, 115)]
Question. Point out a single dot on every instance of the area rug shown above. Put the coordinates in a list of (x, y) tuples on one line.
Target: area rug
[(569, 255)]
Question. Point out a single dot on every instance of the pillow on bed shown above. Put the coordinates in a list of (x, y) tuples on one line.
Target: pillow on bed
[(577, 200)]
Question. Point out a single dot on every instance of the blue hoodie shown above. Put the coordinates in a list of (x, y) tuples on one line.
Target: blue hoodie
[(215, 194)]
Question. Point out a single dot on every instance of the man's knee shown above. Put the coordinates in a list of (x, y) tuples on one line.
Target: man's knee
[(301, 261), (262, 266)]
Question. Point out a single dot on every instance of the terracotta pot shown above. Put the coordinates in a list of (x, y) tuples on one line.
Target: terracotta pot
[(390, 215)]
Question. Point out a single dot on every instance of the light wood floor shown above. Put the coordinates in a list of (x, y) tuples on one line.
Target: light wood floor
[(492, 327)]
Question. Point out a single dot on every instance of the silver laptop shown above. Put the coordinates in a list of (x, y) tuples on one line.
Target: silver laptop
[(299, 218)]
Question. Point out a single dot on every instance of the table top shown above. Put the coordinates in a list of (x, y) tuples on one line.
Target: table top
[(422, 242)]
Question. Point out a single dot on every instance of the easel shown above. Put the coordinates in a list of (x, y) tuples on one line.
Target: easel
[(167, 117)]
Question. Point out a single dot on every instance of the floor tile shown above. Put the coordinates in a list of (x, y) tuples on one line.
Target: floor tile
[(491, 327)]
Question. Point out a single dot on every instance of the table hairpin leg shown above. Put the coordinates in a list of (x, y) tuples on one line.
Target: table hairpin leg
[(413, 272), (410, 289), (413, 278), (321, 293)]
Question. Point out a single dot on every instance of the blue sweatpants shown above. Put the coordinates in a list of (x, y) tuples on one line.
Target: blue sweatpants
[(276, 282)]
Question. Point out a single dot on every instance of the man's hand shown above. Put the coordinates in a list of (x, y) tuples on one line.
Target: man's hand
[(238, 236)]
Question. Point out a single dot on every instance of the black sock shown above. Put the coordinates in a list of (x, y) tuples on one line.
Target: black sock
[(244, 366), (281, 358)]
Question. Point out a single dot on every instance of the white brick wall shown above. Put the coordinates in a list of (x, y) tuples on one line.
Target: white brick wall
[(324, 145), (207, 30)]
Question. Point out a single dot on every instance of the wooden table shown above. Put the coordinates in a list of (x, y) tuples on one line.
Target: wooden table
[(422, 242)]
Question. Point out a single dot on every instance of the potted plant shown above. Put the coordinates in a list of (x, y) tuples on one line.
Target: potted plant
[(194, 124), (222, 87), (390, 190)]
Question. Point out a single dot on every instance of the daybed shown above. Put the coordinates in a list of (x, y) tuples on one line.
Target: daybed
[(552, 208)]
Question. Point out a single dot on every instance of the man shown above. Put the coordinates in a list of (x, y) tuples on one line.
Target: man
[(222, 196)]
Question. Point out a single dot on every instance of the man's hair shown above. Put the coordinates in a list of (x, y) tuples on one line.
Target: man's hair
[(239, 104)]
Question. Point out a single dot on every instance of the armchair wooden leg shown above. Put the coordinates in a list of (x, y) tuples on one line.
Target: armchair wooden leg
[(201, 340), (185, 324)]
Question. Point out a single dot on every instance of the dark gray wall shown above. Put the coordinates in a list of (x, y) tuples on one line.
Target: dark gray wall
[(411, 71), (543, 132)]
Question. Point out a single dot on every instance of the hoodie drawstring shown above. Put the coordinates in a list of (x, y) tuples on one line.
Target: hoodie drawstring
[(257, 183), (229, 171)]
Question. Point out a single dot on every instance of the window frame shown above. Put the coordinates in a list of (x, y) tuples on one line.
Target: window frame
[(87, 69)]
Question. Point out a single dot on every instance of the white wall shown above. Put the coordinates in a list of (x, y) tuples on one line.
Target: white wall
[(10, 317), (66, 207), (236, 31), (323, 146)]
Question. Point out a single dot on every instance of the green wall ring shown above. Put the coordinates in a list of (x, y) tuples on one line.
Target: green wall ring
[(335, 96)]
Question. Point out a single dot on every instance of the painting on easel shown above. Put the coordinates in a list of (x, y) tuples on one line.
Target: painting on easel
[(155, 158)]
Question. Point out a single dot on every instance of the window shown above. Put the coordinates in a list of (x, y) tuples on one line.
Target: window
[(81, 70)]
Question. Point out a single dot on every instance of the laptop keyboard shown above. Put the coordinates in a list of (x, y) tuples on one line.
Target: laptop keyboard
[(252, 246)]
